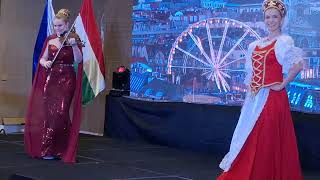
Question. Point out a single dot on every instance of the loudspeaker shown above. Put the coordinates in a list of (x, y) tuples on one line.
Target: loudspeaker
[(121, 80), (119, 93), (20, 177)]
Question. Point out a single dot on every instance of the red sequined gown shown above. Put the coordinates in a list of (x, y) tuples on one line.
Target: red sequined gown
[(58, 93), (48, 129), (270, 151)]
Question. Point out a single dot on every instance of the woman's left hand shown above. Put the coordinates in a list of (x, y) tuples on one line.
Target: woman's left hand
[(277, 87), (72, 42)]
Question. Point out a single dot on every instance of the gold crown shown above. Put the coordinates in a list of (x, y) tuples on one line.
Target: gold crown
[(277, 4), (63, 13)]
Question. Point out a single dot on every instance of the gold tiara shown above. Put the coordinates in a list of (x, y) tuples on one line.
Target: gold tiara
[(277, 4)]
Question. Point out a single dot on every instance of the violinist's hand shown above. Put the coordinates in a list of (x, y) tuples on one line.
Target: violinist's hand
[(46, 64), (277, 87), (72, 42)]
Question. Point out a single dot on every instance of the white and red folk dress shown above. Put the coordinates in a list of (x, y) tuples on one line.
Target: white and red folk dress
[(263, 145)]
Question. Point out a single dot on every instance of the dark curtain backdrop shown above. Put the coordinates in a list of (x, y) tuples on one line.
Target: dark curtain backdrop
[(198, 127)]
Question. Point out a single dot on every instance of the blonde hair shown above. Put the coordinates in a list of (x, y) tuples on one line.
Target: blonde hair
[(63, 14)]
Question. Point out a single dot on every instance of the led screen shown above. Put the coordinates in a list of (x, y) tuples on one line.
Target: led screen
[(194, 50)]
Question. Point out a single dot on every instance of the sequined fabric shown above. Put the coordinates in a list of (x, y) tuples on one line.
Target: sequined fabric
[(44, 133), (58, 92)]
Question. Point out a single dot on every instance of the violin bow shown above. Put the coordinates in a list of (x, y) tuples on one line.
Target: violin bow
[(56, 55)]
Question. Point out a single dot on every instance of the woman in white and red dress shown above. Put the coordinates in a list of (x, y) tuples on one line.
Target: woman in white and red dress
[(263, 146)]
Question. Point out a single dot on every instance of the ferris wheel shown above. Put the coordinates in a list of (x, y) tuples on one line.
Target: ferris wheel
[(214, 48)]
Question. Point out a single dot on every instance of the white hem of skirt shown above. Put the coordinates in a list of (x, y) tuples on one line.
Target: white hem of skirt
[(250, 112)]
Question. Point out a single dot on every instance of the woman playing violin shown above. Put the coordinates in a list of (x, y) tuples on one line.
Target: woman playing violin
[(61, 25), (48, 125)]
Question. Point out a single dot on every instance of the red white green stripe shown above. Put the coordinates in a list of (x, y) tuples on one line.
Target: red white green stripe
[(93, 61)]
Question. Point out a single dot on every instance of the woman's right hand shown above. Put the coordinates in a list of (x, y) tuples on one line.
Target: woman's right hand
[(277, 87), (46, 64)]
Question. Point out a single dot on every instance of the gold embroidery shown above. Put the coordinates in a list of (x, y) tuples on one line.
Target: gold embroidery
[(259, 69)]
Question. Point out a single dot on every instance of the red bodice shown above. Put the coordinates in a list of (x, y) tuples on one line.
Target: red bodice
[(266, 68)]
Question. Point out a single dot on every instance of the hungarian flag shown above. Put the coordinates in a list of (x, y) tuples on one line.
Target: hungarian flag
[(93, 65)]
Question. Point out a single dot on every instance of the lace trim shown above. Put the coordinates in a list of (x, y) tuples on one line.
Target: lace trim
[(293, 56), (264, 43)]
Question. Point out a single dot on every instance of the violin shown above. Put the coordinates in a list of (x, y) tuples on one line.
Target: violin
[(64, 38)]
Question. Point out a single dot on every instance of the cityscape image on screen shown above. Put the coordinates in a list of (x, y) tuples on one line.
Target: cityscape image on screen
[(194, 51)]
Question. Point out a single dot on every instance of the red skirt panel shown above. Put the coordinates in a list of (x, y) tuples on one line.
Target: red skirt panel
[(270, 152)]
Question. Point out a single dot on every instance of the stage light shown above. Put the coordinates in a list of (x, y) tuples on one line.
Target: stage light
[(120, 82), (121, 69)]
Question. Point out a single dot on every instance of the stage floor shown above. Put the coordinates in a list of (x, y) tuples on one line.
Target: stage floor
[(112, 159)]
